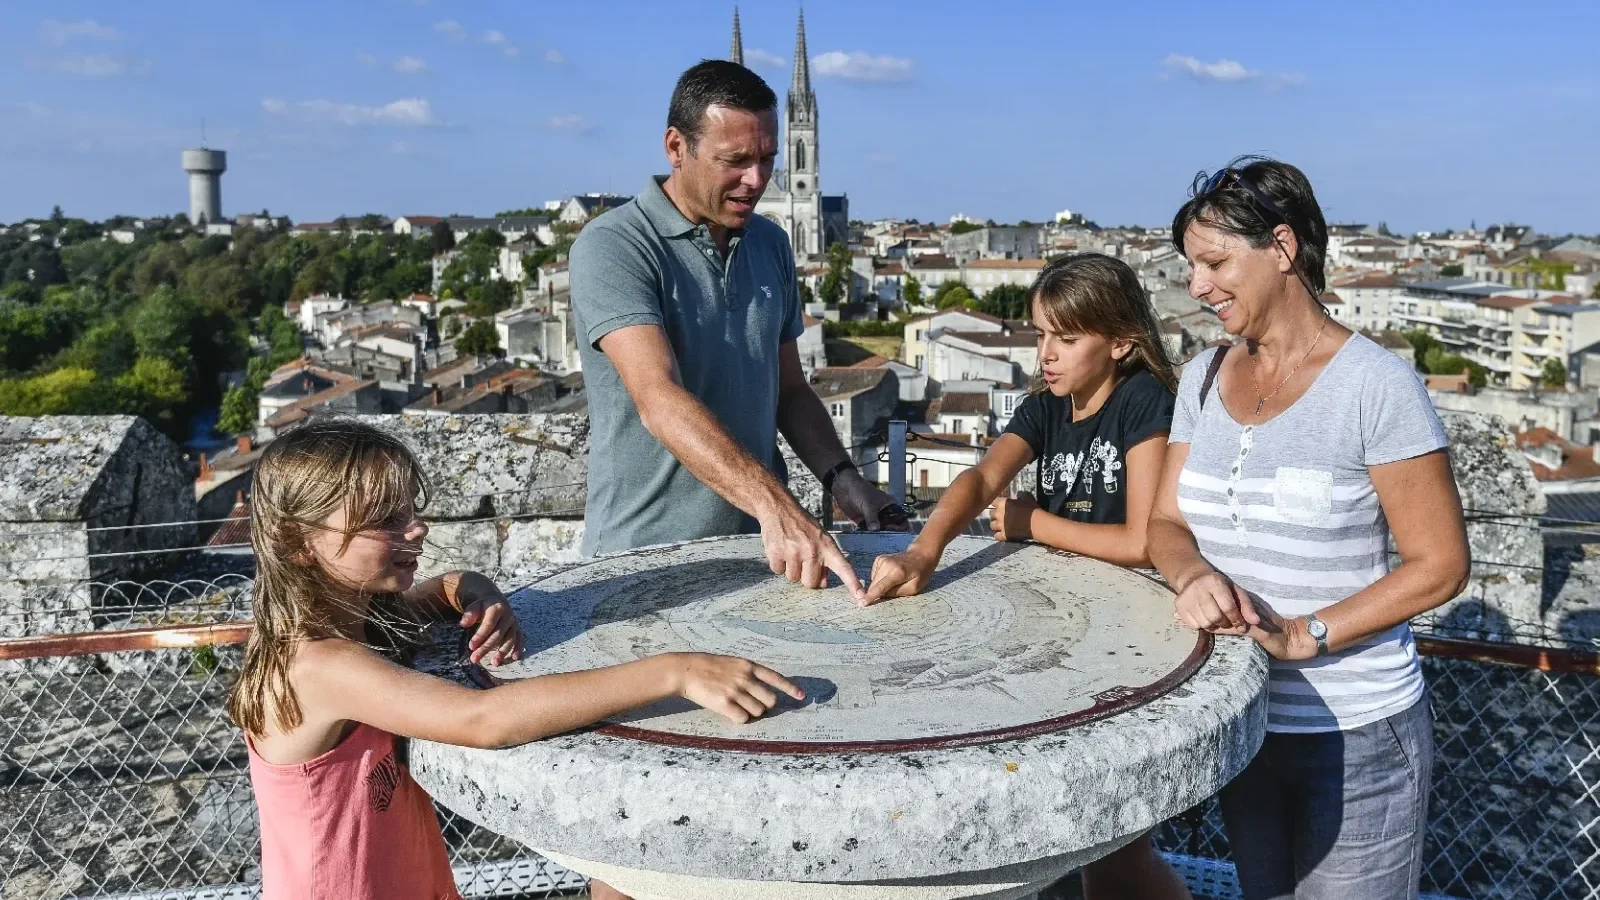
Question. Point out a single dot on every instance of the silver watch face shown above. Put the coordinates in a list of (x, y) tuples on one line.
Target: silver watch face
[(1316, 628)]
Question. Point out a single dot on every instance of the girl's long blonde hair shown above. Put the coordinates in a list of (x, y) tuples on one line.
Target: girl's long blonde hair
[(303, 478), (1090, 293)]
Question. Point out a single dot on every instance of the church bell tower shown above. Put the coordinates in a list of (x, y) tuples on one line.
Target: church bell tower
[(801, 133)]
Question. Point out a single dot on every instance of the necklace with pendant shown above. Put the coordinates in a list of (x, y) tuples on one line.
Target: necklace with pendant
[(1255, 370)]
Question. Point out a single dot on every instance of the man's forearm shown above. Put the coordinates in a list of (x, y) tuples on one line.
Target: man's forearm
[(693, 435), (805, 422)]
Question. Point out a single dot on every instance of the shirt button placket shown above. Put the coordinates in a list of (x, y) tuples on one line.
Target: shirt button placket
[(1235, 474)]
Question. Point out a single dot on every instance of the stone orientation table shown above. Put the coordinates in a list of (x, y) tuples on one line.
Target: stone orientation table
[(1030, 712)]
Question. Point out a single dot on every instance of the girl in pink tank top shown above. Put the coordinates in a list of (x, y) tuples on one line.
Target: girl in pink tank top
[(333, 521)]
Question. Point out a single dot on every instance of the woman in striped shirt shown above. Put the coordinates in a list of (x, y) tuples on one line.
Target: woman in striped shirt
[(1295, 454)]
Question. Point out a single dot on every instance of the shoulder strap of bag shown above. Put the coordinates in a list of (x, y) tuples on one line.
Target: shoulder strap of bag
[(1211, 374)]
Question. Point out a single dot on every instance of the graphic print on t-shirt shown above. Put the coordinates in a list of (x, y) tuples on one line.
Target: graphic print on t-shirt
[(381, 783), (1062, 470), (1081, 464)]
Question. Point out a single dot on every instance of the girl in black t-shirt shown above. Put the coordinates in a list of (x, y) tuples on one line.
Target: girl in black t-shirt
[(1095, 426)]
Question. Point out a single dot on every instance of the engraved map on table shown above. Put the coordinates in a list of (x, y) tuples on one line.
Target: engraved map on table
[(1007, 640)]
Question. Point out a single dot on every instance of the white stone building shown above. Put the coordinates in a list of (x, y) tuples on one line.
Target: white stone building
[(993, 242), (984, 275)]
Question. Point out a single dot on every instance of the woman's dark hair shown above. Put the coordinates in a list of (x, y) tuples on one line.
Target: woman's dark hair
[(1233, 208), (1090, 293), (715, 82)]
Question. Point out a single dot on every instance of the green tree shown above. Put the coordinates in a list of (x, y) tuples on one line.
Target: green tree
[(1421, 343), (495, 295), (835, 286), (442, 239), (912, 291), (803, 291), (1439, 361), (831, 290), (153, 388), (479, 338), (964, 227), (107, 348), (31, 333), (58, 393), (957, 296), (1451, 270), (160, 325), (943, 291), (240, 407), (1554, 374), (1008, 301)]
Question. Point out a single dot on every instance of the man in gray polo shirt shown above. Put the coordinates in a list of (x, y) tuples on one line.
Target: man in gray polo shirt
[(688, 312)]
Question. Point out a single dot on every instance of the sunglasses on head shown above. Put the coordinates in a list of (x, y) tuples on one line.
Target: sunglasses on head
[(1216, 182), (1221, 175)]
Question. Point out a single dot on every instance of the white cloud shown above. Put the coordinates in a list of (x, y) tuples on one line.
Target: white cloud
[(1226, 70), (401, 148), (451, 29), (366, 59), (571, 123), (761, 59), (554, 57), (410, 65), (501, 42), (58, 33), (862, 67), (99, 65), (413, 112)]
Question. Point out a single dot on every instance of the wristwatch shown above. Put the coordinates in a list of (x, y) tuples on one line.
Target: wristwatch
[(829, 476), (1319, 633)]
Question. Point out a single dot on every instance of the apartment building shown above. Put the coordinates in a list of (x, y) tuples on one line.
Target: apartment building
[(1512, 333)]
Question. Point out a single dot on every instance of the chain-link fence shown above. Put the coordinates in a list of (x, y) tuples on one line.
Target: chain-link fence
[(120, 774), (1514, 808)]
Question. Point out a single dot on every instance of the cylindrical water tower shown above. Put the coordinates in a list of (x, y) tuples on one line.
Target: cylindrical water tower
[(205, 168)]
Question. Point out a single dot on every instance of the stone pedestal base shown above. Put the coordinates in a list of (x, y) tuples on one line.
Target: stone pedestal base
[(1016, 882)]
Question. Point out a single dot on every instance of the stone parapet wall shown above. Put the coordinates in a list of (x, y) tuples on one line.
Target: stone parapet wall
[(1508, 552), (507, 492), (78, 497)]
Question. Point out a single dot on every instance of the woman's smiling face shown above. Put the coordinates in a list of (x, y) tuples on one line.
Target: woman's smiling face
[(1233, 279)]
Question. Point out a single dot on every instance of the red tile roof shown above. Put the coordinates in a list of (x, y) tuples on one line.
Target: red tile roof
[(236, 530), (1502, 301)]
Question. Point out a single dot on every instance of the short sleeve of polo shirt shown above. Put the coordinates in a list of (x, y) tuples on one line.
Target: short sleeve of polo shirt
[(614, 283), (793, 316)]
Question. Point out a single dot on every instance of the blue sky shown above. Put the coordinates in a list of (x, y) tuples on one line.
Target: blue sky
[(1421, 114)]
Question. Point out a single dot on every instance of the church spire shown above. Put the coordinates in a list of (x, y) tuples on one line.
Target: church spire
[(736, 50), (800, 87)]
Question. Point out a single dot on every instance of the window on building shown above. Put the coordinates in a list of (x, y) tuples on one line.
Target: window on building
[(1009, 403), (918, 363), (921, 332), (836, 410), (955, 426)]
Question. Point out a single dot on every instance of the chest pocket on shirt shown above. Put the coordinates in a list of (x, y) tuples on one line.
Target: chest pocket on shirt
[(1303, 496)]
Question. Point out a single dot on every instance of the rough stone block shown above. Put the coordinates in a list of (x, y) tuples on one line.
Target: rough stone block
[(498, 465), (1496, 485), (464, 545), (534, 547)]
